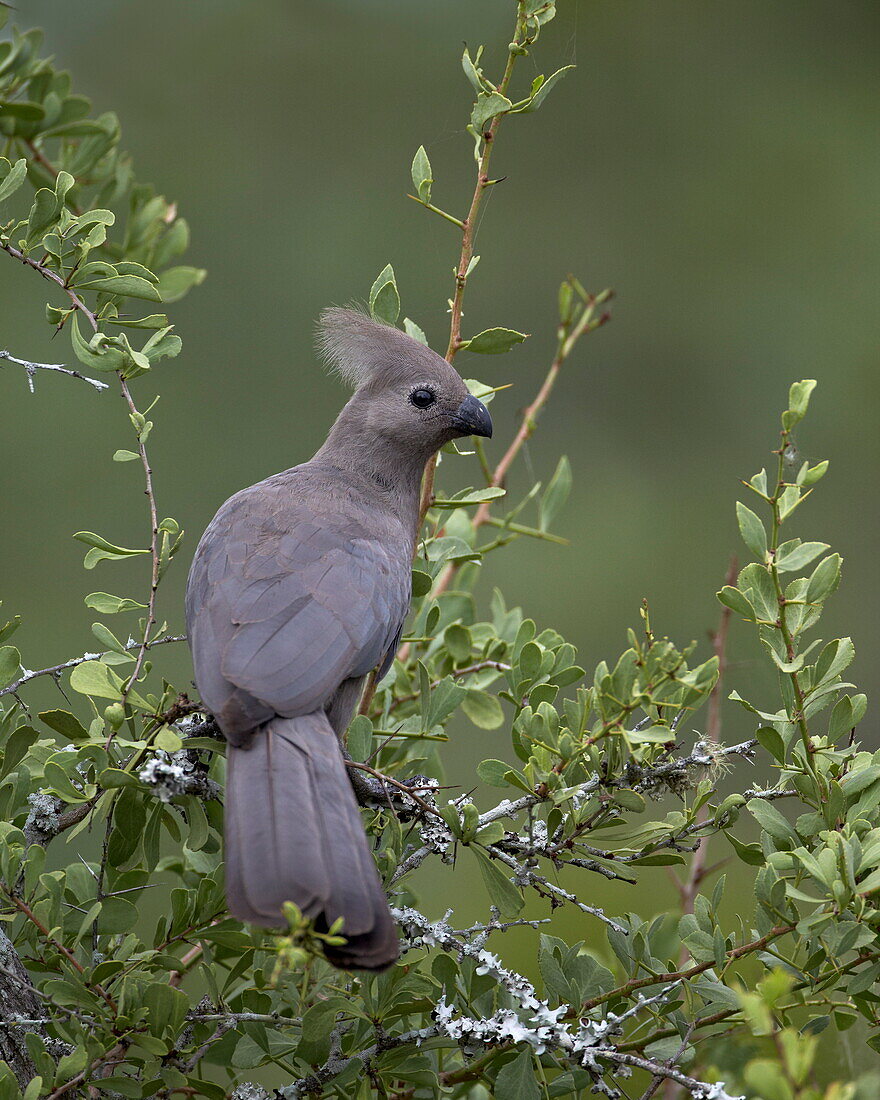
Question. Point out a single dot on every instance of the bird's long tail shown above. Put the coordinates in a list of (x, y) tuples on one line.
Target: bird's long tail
[(294, 833)]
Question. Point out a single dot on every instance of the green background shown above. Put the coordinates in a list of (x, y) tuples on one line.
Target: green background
[(716, 163)]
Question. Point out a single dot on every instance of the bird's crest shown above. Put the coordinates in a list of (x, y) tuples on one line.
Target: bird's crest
[(361, 350)]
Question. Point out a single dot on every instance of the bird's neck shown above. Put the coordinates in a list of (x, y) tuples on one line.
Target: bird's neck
[(395, 476)]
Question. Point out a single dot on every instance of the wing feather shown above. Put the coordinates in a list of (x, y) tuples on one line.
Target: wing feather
[(287, 599)]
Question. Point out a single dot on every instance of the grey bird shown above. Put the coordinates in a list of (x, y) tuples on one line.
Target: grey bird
[(298, 589)]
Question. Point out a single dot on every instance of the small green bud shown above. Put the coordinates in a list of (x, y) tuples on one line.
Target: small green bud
[(114, 715), (471, 817)]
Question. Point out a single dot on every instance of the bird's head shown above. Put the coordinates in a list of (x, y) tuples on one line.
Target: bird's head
[(405, 393)]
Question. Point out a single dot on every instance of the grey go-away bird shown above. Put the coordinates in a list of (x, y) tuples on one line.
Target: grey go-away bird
[(299, 588)]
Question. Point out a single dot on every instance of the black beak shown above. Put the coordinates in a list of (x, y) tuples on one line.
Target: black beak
[(472, 417)]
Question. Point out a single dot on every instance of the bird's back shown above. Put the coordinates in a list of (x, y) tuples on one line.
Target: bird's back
[(299, 583)]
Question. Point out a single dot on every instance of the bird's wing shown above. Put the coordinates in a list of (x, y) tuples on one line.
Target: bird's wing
[(285, 603)]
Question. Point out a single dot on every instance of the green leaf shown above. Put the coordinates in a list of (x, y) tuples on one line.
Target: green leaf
[(43, 214), (870, 884), (7, 629), (127, 286), (556, 493), (168, 740), (490, 834), (471, 71), (544, 89), (163, 344), (824, 580), (493, 772), (494, 341), (516, 1080), (770, 739), (318, 1020), (772, 821), (834, 658), (359, 739), (530, 658), (114, 778), (470, 496), (752, 531), (748, 853), (413, 330), (457, 639), (97, 680), (56, 777), (175, 282), (488, 105), (502, 893), (107, 638), (795, 555), (757, 585), (629, 800), (384, 297), (65, 723), (15, 747), (13, 178), (26, 112), (153, 320), (483, 710), (814, 473), (517, 779), (118, 915), (106, 604), (736, 601), (167, 1007), (102, 549), (795, 665), (421, 174), (421, 583), (788, 501), (767, 1079), (94, 354), (125, 456), (841, 720), (798, 400), (10, 665)]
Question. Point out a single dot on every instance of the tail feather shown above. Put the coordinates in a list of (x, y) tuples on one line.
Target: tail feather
[(294, 833)]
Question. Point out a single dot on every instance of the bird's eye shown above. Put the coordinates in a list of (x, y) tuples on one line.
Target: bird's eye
[(422, 397)]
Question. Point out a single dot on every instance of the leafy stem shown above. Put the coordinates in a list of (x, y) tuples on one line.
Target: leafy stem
[(782, 603), (469, 231)]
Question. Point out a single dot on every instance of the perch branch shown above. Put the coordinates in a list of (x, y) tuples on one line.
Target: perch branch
[(32, 368)]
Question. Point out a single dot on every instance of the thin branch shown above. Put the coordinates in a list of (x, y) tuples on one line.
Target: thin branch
[(55, 671), (468, 238), (541, 884), (108, 1058), (697, 872), (40, 157), (150, 618), (456, 674), (32, 368), (408, 791), (682, 975), (528, 423), (66, 952), (658, 1079), (53, 277)]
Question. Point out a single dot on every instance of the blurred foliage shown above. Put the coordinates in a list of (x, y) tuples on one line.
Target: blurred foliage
[(195, 1002)]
